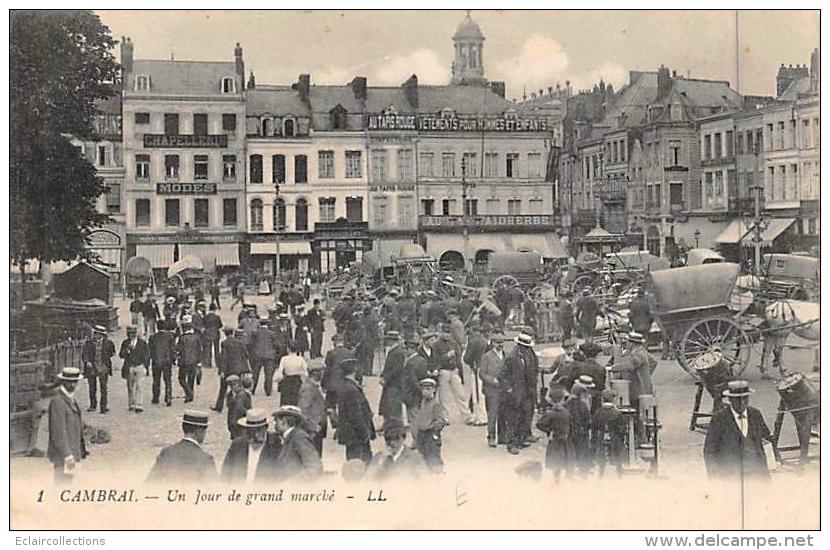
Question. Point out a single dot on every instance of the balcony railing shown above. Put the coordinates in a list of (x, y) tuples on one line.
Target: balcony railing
[(613, 191)]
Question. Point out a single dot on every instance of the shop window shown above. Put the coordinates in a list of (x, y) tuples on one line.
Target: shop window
[(201, 212)]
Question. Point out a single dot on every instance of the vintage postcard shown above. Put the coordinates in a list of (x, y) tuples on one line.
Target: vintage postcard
[(460, 269)]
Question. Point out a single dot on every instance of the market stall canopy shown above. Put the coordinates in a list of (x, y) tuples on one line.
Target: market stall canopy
[(187, 263), (413, 251), (587, 259), (139, 267), (514, 262), (638, 259), (599, 234), (739, 232), (549, 246), (700, 256)]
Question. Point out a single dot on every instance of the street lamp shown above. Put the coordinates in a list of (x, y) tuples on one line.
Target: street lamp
[(697, 238), (276, 219), (465, 209)]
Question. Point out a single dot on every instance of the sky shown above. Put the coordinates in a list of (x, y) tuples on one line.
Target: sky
[(529, 50)]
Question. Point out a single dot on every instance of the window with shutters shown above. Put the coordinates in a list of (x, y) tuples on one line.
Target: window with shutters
[(171, 212), (514, 206), (142, 212), (426, 165), (278, 169), (201, 212), (142, 167), (379, 212), (171, 167), (427, 207), (379, 165), (200, 167), (325, 164), (200, 124), (256, 215), (353, 164), (278, 214), (512, 165), (229, 123), (300, 169), (255, 162), (229, 212), (405, 168), (354, 209), (142, 83), (301, 215), (171, 124), (228, 85), (229, 168), (471, 207), (113, 197)]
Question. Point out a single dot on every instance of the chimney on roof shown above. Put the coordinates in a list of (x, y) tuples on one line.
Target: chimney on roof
[(498, 88), (126, 56), (252, 81), (240, 64), (663, 82), (359, 87), (304, 88), (410, 91), (815, 71)]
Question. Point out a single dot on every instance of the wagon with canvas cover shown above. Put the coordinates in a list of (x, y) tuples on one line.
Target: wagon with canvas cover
[(691, 305), (790, 276)]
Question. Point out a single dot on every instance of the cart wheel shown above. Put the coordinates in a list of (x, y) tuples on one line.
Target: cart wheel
[(581, 282), (715, 333)]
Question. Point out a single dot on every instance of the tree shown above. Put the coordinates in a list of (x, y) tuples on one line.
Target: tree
[(60, 65)]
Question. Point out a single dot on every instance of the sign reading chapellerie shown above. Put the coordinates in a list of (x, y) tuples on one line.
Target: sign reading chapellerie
[(185, 141), (186, 188), (431, 123)]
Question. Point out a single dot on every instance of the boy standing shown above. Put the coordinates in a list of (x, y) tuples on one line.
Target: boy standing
[(556, 423), (427, 425), (239, 400)]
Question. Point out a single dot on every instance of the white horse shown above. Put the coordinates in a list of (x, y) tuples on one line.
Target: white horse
[(801, 318)]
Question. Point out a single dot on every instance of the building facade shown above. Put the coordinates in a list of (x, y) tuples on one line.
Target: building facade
[(184, 151)]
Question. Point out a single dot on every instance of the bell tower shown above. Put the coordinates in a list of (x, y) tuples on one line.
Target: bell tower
[(468, 67)]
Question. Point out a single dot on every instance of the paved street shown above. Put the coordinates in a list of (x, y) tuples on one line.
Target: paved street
[(137, 438)]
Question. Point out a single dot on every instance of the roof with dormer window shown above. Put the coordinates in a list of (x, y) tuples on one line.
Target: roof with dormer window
[(190, 78)]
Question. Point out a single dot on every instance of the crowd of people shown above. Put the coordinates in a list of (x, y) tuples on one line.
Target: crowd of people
[(443, 356)]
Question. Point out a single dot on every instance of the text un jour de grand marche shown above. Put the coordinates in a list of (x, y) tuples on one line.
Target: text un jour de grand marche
[(207, 497)]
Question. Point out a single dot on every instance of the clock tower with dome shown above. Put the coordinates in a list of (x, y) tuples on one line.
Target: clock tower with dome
[(468, 67)]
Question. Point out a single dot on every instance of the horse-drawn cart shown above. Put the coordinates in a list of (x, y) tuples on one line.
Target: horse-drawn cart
[(691, 305)]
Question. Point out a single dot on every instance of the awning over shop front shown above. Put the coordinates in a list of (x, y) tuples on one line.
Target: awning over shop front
[(225, 254), (387, 249), (548, 246), (302, 248), (774, 229), (739, 231), (160, 255)]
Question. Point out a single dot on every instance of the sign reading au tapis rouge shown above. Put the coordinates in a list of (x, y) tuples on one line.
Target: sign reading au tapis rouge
[(195, 141), (200, 188), (431, 123)]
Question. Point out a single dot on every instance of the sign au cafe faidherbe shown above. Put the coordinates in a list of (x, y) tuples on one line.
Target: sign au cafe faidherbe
[(538, 221), (469, 123)]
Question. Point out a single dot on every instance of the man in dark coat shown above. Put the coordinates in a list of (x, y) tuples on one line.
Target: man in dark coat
[(240, 401), (301, 338), (355, 427), (416, 368), (639, 314), (297, 458), (312, 402), (233, 359), (393, 378), (519, 374), (734, 441), (190, 353), (66, 428), (213, 326), (257, 441), (587, 311), (565, 315), (136, 355), (265, 349), (398, 461), (97, 357), (332, 374), (316, 320), (162, 356), (186, 461)]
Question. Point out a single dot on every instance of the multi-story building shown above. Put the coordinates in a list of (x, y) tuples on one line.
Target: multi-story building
[(103, 149), (306, 175), (184, 150)]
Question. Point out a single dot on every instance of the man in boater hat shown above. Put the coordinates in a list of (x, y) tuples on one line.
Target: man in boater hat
[(66, 436)]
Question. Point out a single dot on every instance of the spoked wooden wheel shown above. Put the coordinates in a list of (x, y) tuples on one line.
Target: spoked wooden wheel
[(507, 281), (583, 281), (720, 334)]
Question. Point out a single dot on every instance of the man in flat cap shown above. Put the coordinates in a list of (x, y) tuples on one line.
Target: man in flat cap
[(239, 400), (355, 426), (186, 461), (428, 424), (393, 378), (190, 353), (252, 455), (297, 458), (734, 441), (397, 461), (66, 446), (312, 402), (97, 358), (233, 359)]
